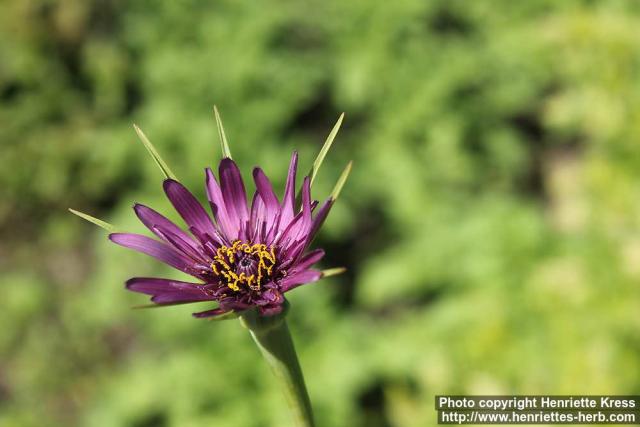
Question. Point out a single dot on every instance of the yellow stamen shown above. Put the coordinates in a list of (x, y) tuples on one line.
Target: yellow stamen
[(223, 264)]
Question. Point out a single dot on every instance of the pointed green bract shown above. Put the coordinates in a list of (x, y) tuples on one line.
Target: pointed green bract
[(154, 154), (333, 271), (226, 316), (341, 181), (169, 304), (223, 137), (325, 149), (100, 223)]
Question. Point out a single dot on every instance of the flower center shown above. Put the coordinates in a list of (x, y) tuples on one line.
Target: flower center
[(243, 264)]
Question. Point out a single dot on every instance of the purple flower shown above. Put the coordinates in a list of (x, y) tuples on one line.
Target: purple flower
[(246, 256)]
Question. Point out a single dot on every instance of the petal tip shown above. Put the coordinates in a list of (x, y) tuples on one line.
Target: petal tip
[(168, 183), (130, 282), (227, 162)]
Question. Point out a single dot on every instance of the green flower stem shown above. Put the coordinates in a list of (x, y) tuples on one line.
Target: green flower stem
[(272, 336)]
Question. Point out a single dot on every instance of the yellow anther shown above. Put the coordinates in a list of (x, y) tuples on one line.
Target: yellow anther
[(223, 265)]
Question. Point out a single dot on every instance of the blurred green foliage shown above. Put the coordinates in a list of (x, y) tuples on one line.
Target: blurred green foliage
[(491, 226)]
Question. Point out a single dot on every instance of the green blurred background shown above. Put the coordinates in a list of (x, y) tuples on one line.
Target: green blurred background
[(491, 225)]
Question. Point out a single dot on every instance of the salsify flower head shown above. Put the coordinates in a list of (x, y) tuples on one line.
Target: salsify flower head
[(245, 255)]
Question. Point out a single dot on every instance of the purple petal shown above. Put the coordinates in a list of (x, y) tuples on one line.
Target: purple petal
[(268, 196), (301, 224), (216, 200), (289, 199), (319, 219), (207, 240), (257, 222), (298, 279), (308, 260), (290, 230), (181, 244), (295, 249), (233, 192), (166, 291), (270, 295), (188, 207), (152, 219), (153, 248)]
